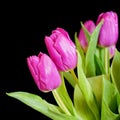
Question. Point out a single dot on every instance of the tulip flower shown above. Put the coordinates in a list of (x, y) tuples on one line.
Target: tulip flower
[(109, 31), (90, 26), (44, 72), (61, 49), (112, 51)]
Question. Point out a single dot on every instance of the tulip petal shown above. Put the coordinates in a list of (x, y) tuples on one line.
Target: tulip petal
[(109, 31), (32, 65), (53, 53), (66, 51), (49, 76)]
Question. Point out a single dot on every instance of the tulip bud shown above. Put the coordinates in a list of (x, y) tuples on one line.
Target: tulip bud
[(44, 72), (90, 26), (61, 49), (111, 51), (109, 31)]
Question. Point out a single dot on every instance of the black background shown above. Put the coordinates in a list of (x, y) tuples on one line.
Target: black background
[(25, 25)]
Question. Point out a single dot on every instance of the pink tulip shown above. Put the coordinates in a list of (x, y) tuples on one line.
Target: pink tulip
[(44, 72), (61, 49), (112, 51), (109, 31), (90, 26)]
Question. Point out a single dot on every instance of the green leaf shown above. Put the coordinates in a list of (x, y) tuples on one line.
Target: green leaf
[(118, 118), (109, 101), (40, 105), (118, 102), (80, 50), (96, 84), (99, 66), (87, 34), (86, 89), (81, 106), (63, 99), (101, 52), (115, 70), (107, 114), (89, 61)]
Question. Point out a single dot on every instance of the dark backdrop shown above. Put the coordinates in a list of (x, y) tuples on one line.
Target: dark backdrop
[(25, 26)]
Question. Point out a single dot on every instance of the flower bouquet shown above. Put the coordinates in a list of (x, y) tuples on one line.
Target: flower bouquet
[(90, 64)]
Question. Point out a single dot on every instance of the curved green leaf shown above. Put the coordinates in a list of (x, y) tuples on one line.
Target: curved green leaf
[(96, 84), (89, 61), (107, 114), (99, 66), (118, 102), (87, 34), (115, 70), (80, 50), (86, 89), (81, 106), (37, 103), (109, 110)]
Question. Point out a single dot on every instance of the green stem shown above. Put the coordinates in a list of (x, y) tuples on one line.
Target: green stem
[(60, 102), (102, 55), (74, 75), (106, 61)]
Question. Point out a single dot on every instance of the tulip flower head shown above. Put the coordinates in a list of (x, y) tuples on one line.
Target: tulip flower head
[(61, 49), (90, 26), (44, 72), (109, 31), (112, 51)]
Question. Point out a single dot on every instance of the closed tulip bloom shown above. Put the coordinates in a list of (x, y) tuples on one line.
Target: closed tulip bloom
[(44, 72), (61, 49), (90, 26), (109, 31), (112, 51)]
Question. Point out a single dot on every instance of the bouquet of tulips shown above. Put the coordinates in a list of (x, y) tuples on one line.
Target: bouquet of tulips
[(90, 64)]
